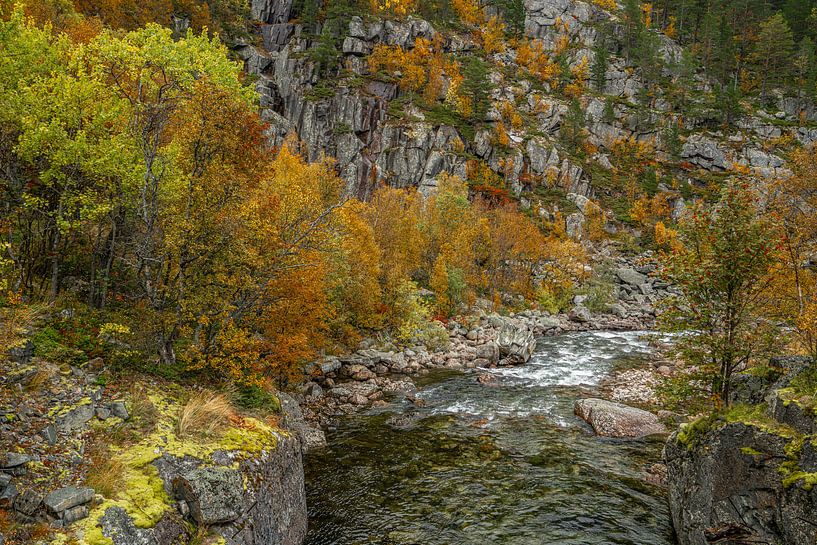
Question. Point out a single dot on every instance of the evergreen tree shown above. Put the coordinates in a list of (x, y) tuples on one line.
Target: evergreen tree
[(773, 50), (601, 60)]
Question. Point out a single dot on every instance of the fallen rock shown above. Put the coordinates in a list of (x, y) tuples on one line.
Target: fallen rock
[(65, 498), (214, 495), (75, 417), (28, 502), (486, 378), (579, 314), (610, 419), (11, 460), (516, 342)]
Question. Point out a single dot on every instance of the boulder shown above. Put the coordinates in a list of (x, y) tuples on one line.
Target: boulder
[(516, 342), (76, 417), (214, 495), (65, 498), (631, 277), (12, 460), (610, 419), (28, 502), (580, 314)]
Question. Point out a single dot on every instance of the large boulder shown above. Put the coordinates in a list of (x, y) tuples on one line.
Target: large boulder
[(611, 419), (214, 495), (725, 486), (516, 342)]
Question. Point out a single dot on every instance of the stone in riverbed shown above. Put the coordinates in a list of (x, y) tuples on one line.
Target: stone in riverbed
[(610, 419), (516, 343)]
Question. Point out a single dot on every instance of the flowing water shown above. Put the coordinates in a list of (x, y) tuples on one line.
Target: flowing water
[(501, 464)]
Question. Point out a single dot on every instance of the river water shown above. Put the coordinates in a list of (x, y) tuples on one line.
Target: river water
[(502, 464)]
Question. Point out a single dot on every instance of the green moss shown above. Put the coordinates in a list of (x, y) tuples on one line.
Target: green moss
[(750, 415), (749, 451), (142, 494), (65, 409)]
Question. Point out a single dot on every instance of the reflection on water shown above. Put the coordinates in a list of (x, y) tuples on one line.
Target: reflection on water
[(504, 464)]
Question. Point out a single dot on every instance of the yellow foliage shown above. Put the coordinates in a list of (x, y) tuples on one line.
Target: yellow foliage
[(609, 5), (531, 55), (469, 11), (493, 36), (666, 238), (400, 8), (423, 68), (594, 221), (501, 135)]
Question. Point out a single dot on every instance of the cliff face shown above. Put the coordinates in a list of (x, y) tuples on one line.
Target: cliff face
[(377, 134), (747, 476)]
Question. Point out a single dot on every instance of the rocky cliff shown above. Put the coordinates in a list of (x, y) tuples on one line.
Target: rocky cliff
[(747, 475), (379, 133)]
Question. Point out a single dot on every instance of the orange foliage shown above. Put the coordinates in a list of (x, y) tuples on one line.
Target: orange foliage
[(422, 68), (493, 36), (531, 55), (400, 8)]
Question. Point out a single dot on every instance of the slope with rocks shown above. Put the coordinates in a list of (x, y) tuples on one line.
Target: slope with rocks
[(525, 129)]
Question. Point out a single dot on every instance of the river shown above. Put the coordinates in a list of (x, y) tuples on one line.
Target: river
[(501, 464)]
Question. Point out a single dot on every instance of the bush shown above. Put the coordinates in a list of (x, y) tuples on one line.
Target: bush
[(553, 301)]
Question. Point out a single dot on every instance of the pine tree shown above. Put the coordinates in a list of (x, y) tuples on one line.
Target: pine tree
[(601, 60), (773, 49)]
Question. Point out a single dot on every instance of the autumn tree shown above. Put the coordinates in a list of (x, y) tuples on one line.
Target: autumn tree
[(794, 200), (725, 271)]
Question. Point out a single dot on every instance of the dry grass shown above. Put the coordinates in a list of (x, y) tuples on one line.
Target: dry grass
[(206, 413), (143, 413), (105, 472)]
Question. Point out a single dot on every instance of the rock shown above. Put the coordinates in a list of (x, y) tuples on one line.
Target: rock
[(74, 514), (579, 314), (214, 495), (618, 310), (5, 480), (75, 417), (358, 399), (664, 370), (724, 486), (488, 351), (22, 354), (119, 410), (610, 419), (28, 502), (117, 525), (516, 342), (49, 433), (103, 413), (631, 277), (329, 365), (65, 498), (11, 460), (486, 378), (312, 390), (8, 495)]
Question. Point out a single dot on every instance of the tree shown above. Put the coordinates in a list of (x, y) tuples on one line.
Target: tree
[(725, 271), (794, 200), (773, 50)]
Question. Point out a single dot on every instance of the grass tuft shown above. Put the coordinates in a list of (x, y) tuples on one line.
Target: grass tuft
[(206, 413)]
